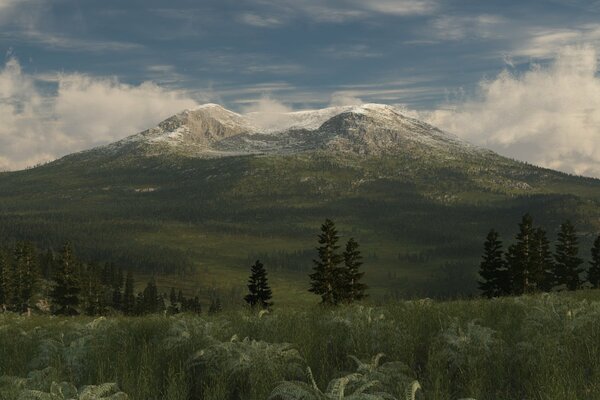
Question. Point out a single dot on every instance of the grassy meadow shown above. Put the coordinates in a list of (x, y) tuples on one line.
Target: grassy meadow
[(542, 347)]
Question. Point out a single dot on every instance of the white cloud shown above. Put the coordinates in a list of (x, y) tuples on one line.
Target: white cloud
[(344, 99), (267, 113), (548, 116), (454, 28), (547, 43), (84, 112), (260, 20)]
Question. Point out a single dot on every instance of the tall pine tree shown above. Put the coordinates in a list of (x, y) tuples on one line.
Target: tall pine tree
[(492, 268), (327, 278), (128, 296), (27, 272), (258, 286), (567, 266), (519, 257), (353, 289), (593, 274), (542, 263), (65, 293)]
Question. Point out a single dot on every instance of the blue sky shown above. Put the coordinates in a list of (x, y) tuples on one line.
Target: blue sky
[(426, 55)]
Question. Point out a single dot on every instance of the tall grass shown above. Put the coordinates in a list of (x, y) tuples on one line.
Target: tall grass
[(535, 347)]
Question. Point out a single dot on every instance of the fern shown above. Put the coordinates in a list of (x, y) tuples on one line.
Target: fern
[(66, 391)]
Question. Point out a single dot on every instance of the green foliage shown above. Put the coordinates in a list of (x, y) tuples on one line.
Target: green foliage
[(567, 267), (492, 268), (327, 278), (65, 293), (354, 289), (258, 286)]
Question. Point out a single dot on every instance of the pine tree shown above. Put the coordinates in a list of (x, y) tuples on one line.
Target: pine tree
[(542, 263), (492, 268), (65, 293), (258, 286), (47, 262), (594, 270), (353, 289), (567, 265), (27, 268), (518, 258), (327, 278), (117, 287), (151, 298), (92, 291), (174, 308), (128, 296)]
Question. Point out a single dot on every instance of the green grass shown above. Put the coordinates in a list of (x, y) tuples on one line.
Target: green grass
[(543, 347)]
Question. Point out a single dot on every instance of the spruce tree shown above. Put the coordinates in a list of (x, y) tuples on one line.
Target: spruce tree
[(492, 268), (27, 270), (65, 293), (593, 274), (567, 265), (353, 289), (327, 278), (542, 263), (518, 258), (91, 290), (151, 298), (258, 286), (128, 296), (174, 308)]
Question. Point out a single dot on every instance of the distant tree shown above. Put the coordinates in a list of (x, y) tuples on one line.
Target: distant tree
[(492, 268), (117, 289), (594, 270), (258, 286), (215, 305), (47, 264), (567, 266), (196, 307), (353, 289), (92, 291), (128, 296), (542, 263), (65, 293), (151, 298), (519, 256), (327, 278), (174, 304)]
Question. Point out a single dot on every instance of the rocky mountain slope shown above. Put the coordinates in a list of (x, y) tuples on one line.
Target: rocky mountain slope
[(208, 190)]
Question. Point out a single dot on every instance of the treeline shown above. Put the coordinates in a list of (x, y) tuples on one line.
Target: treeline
[(529, 265), (64, 285)]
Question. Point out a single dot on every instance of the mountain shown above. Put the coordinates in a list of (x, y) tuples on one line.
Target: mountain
[(208, 191)]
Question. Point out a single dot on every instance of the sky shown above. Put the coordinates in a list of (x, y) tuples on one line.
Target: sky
[(519, 77)]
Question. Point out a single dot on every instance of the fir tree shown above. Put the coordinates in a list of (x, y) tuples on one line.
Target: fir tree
[(173, 306), (518, 258), (128, 296), (542, 263), (353, 289), (327, 278), (593, 274), (47, 262), (92, 293), (27, 267), (258, 286), (65, 293), (151, 299), (492, 268), (567, 265)]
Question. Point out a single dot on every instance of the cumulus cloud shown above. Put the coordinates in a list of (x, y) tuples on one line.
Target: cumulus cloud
[(83, 112), (344, 99), (268, 113), (549, 116)]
